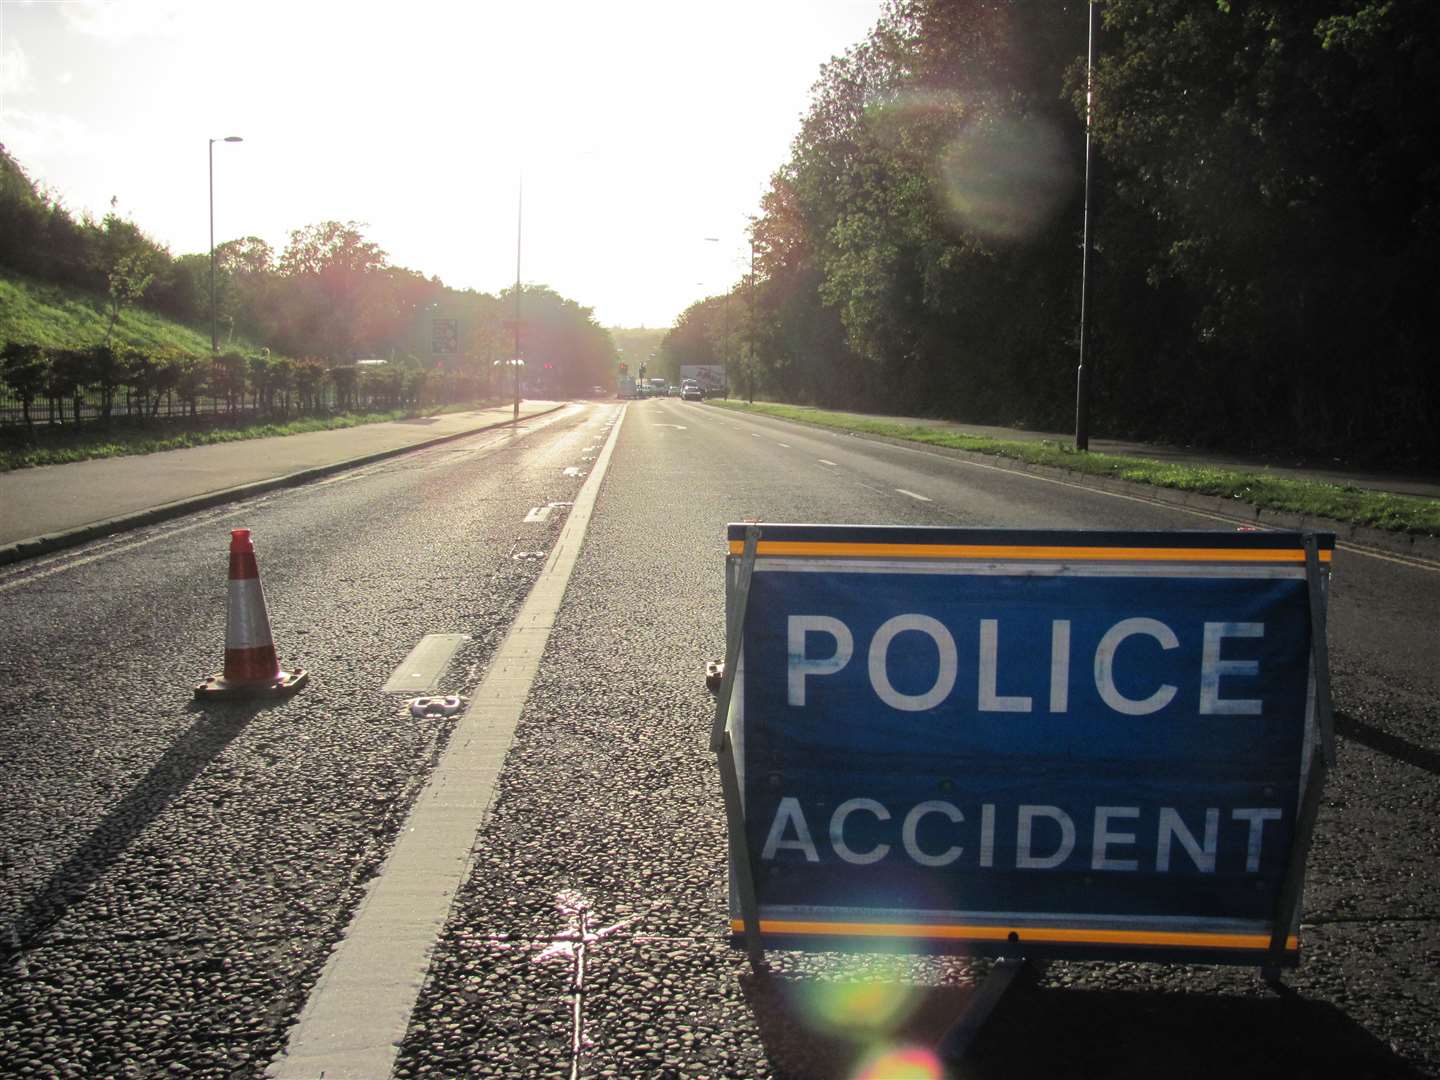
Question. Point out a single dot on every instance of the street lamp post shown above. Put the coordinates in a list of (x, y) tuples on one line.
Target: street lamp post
[(1082, 374), (214, 341), (519, 229)]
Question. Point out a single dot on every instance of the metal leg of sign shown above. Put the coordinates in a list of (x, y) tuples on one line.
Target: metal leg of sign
[(740, 854), (1287, 910), (980, 1006), (1320, 648), (733, 629)]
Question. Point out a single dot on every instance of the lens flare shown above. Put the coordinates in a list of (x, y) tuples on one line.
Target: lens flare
[(901, 1063), (859, 1010), (1005, 179)]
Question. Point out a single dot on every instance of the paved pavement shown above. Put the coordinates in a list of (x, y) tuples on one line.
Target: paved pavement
[(55, 506)]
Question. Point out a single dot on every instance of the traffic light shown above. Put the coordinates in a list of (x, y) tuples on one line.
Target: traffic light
[(642, 371), (624, 367)]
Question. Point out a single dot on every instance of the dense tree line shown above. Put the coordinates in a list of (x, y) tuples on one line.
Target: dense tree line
[(329, 299), (1265, 215)]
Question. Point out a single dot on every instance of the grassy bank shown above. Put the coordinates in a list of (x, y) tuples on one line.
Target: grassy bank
[(86, 441), (1379, 510), (56, 317)]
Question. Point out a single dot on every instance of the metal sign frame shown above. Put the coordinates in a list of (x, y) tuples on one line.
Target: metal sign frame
[(754, 546)]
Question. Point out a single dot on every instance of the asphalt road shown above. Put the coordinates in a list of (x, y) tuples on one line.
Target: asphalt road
[(175, 875)]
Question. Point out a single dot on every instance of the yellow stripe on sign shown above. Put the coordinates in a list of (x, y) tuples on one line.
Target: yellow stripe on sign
[(1073, 554), (1049, 935)]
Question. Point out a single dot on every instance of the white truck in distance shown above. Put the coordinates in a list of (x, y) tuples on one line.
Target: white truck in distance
[(710, 377)]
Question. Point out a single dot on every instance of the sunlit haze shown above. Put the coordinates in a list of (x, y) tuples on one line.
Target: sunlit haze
[(640, 128)]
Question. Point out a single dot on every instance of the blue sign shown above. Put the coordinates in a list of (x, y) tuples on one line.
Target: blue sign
[(1085, 744)]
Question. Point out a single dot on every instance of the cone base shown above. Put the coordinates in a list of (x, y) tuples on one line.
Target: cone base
[(283, 685)]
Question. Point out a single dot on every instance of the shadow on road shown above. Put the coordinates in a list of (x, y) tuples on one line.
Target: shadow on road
[(1390, 745), (1046, 1031), (202, 742)]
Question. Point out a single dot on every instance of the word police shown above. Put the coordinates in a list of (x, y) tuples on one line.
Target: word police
[(820, 646)]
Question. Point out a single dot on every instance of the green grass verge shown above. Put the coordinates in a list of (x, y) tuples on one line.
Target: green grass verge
[(123, 439), (1378, 510), (56, 317)]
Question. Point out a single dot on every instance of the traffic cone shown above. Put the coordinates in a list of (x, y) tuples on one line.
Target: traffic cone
[(251, 667)]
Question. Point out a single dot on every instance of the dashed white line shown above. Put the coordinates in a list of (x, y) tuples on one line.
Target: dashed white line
[(824, 461), (915, 495), (786, 445)]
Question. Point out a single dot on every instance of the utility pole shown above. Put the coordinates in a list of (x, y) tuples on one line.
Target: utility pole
[(750, 365), (516, 361), (214, 340), (1082, 374)]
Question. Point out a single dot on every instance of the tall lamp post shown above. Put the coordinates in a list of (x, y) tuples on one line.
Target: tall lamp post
[(214, 341), (1082, 375), (516, 362), (724, 315)]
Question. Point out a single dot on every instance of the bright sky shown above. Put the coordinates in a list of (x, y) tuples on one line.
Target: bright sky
[(640, 126)]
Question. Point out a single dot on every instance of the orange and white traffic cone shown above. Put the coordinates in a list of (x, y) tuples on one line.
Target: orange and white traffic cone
[(251, 667)]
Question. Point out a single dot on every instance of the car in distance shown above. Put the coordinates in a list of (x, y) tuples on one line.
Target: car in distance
[(690, 391)]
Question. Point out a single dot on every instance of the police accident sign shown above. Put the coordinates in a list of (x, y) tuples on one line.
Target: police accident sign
[(1072, 743)]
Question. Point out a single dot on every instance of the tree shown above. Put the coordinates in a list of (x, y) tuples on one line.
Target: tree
[(192, 377), (325, 267), (227, 378), (66, 377), (24, 369), (129, 260)]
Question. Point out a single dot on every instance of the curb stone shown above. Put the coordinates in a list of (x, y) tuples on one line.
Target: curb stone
[(42, 545)]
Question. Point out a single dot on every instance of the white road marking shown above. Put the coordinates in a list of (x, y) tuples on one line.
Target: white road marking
[(421, 670), (1414, 562), (915, 495), (29, 570), (823, 461), (66, 562), (786, 445), (573, 470), (537, 514), (359, 1010)]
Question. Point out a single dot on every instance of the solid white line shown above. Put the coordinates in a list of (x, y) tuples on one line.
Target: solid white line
[(358, 1011), (915, 495)]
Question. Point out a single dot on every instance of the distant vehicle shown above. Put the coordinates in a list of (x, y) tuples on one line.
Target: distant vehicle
[(598, 391), (659, 387), (710, 378), (674, 390), (625, 388), (690, 391)]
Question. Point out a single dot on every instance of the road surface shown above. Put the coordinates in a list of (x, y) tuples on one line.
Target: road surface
[(174, 876)]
